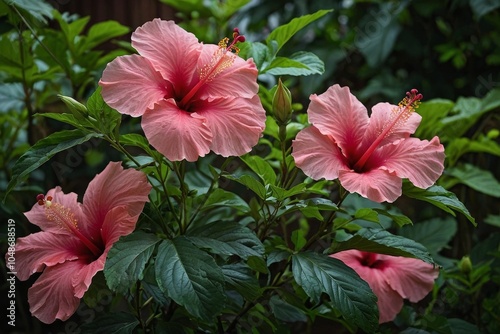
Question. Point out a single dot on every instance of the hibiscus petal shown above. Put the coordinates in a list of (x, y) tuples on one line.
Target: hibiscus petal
[(113, 187), (131, 85), (235, 123), (377, 185), (38, 217), (119, 221), (41, 249), (317, 155), (382, 116), (173, 51), (389, 301), (82, 280), (239, 79), (413, 279), (175, 133), (338, 113), (52, 296), (421, 161)]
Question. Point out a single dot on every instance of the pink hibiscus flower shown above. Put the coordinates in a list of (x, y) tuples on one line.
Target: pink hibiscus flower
[(192, 97), (391, 278), (369, 155), (75, 238)]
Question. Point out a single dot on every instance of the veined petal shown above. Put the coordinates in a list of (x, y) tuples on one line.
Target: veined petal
[(421, 161), (340, 114), (317, 155), (173, 51), (44, 249), (176, 133), (377, 185), (38, 217), (413, 279), (381, 117), (83, 278), (389, 301), (114, 187), (131, 85), (52, 296), (118, 222), (239, 79), (235, 123)]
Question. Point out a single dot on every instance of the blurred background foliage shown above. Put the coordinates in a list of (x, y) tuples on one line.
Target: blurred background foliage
[(449, 50)]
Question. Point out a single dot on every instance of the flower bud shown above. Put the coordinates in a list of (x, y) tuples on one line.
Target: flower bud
[(282, 104), (77, 109), (465, 265)]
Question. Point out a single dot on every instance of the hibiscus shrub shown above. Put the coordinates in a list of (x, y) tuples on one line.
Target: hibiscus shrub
[(230, 211)]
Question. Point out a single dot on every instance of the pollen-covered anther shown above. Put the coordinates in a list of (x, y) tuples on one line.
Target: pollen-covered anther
[(222, 58), (59, 214)]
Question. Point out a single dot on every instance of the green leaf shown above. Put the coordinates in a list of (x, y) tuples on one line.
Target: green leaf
[(460, 146), (286, 312), (476, 178), (68, 119), (127, 259), (257, 263), (400, 220), (226, 238), (40, 10), (282, 194), (318, 274), (45, 149), (300, 63), (493, 220), (298, 239), (283, 33), (221, 197), (460, 326), (483, 7), (434, 234), (439, 197), (134, 139), (224, 10), (190, 277), (432, 113), (467, 111), (111, 323), (382, 242), (367, 214), (249, 182), (102, 32), (377, 45), (260, 167), (107, 118), (239, 277)]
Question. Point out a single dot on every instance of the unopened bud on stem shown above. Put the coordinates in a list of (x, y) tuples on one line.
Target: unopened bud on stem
[(465, 265), (282, 104)]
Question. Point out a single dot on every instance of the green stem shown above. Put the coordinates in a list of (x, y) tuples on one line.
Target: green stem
[(209, 191), (180, 171)]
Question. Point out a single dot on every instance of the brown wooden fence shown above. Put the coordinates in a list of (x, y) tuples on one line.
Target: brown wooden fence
[(132, 13)]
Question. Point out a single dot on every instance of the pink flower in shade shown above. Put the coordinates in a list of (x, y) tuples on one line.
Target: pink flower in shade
[(75, 238), (192, 97), (369, 155), (391, 278)]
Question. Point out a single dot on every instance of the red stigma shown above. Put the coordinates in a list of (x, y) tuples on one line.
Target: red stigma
[(413, 95), (237, 37), (40, 198)]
